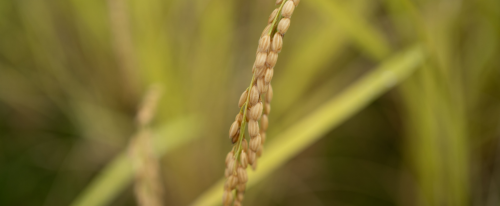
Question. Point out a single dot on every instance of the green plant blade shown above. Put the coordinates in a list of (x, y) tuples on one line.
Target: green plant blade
[(301, 135), (118, 173)]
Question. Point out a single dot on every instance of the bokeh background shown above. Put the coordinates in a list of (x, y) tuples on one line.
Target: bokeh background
[(74, 72)]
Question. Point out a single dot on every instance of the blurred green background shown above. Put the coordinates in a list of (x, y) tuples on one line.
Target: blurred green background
[(73, 73)]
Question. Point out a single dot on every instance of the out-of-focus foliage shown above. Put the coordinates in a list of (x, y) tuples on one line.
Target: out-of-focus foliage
[(72, 74)]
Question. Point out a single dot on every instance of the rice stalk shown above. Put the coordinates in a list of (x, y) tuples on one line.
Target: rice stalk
[(255, 105), (147, 188)]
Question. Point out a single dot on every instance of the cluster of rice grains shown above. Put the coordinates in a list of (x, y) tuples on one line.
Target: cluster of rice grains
[(255, 105), (147, 186)]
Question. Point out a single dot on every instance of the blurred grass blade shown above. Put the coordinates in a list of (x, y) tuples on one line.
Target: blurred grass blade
[(363, 33), (118, 173), (301, 135)]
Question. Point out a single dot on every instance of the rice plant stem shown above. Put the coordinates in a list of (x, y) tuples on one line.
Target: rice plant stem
[(243, 124), (275, 21)]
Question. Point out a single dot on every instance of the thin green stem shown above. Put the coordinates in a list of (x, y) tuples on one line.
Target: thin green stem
[(241, 109), (276, 18), (243, 123)]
